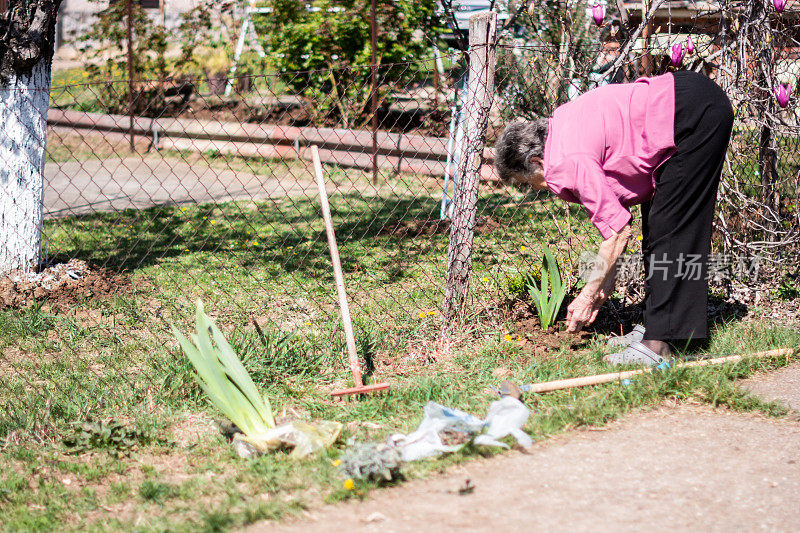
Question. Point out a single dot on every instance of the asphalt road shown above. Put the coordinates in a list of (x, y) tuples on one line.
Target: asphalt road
[(80, 187)]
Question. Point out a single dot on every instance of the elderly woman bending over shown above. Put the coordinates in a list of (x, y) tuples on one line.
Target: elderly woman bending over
[(659, 142)]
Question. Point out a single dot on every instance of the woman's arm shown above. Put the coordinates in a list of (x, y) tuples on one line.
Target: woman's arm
[(583, 309)]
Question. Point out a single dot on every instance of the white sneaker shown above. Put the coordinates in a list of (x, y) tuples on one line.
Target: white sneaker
[(620, 341), (635, 354)]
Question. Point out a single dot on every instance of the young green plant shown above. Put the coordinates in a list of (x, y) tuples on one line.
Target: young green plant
[(221, 375), (550, 293)]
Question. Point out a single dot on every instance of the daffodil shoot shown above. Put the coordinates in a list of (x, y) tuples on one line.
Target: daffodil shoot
[(549, 295)]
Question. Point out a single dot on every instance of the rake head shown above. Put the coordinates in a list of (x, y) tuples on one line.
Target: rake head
[(358, 392)]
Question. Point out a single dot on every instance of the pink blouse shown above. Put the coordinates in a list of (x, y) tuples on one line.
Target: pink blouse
[(603, 148)]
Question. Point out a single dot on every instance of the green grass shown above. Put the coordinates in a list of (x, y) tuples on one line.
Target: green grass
[(268, 262), (164, 483)]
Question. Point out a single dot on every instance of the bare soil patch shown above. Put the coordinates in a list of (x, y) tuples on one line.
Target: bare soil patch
[(527, 331), (434, 226), (62, 284)]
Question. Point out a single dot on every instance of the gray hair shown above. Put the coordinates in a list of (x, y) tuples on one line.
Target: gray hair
[(520, 141)]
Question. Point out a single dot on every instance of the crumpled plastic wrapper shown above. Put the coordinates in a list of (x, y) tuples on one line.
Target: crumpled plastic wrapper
[(304, 438), (505, 417)]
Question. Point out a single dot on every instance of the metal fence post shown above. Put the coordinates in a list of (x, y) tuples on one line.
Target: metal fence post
[(374, 89), (129, 9), (480, 91)]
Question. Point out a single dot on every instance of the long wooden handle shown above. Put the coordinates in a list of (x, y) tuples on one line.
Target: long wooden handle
[(350, 339), (549, 386)]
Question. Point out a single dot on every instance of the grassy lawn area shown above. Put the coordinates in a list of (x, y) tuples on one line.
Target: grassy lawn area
[(267, 262)]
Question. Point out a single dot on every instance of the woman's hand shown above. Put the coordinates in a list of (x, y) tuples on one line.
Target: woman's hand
[(583, 310)]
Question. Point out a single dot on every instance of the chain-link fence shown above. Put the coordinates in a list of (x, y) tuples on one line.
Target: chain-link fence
[(201, 194)]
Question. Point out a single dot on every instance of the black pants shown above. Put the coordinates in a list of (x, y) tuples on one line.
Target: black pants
[(677, 221)]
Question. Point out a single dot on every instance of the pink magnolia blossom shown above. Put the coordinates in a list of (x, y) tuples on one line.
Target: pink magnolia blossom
[(678, 52), (690, 45), (598, 13), (779, 5), (782, 94)]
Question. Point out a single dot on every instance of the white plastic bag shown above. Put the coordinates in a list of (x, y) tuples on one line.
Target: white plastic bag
[(505, 417)]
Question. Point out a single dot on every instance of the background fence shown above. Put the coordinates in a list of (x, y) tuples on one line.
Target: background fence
[(159, 192)]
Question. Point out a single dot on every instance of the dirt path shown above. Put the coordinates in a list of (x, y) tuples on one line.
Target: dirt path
[(782, 385), (684, 468)]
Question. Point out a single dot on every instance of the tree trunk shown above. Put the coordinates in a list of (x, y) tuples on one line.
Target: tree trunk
[(23, 114), (27, 32)]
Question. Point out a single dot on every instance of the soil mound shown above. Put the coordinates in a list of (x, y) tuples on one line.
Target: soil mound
[(61, 284)]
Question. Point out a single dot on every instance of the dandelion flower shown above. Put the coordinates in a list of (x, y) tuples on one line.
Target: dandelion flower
[(349, 484), (337, 462), (183, 209), (521, 248), (432, 313), (507, 338), (422, 314), (255, 243), (484, 279), (638, 237), (308, 324), (213, 221)]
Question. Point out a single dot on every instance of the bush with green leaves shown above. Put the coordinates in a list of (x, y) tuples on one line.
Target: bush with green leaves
[(164, 61), (322, 49), (104, 49)]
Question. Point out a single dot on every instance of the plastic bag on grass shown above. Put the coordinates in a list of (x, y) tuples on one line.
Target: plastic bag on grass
[(447, 430), (304, 438), (505, 417)]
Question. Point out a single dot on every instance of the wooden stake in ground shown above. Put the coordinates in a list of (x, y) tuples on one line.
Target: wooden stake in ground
[(480, 91)]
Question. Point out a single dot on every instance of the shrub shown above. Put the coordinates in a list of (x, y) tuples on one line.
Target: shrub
[(324, 53)]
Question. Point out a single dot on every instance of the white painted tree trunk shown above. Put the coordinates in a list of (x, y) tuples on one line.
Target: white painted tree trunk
[(23, 136)]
